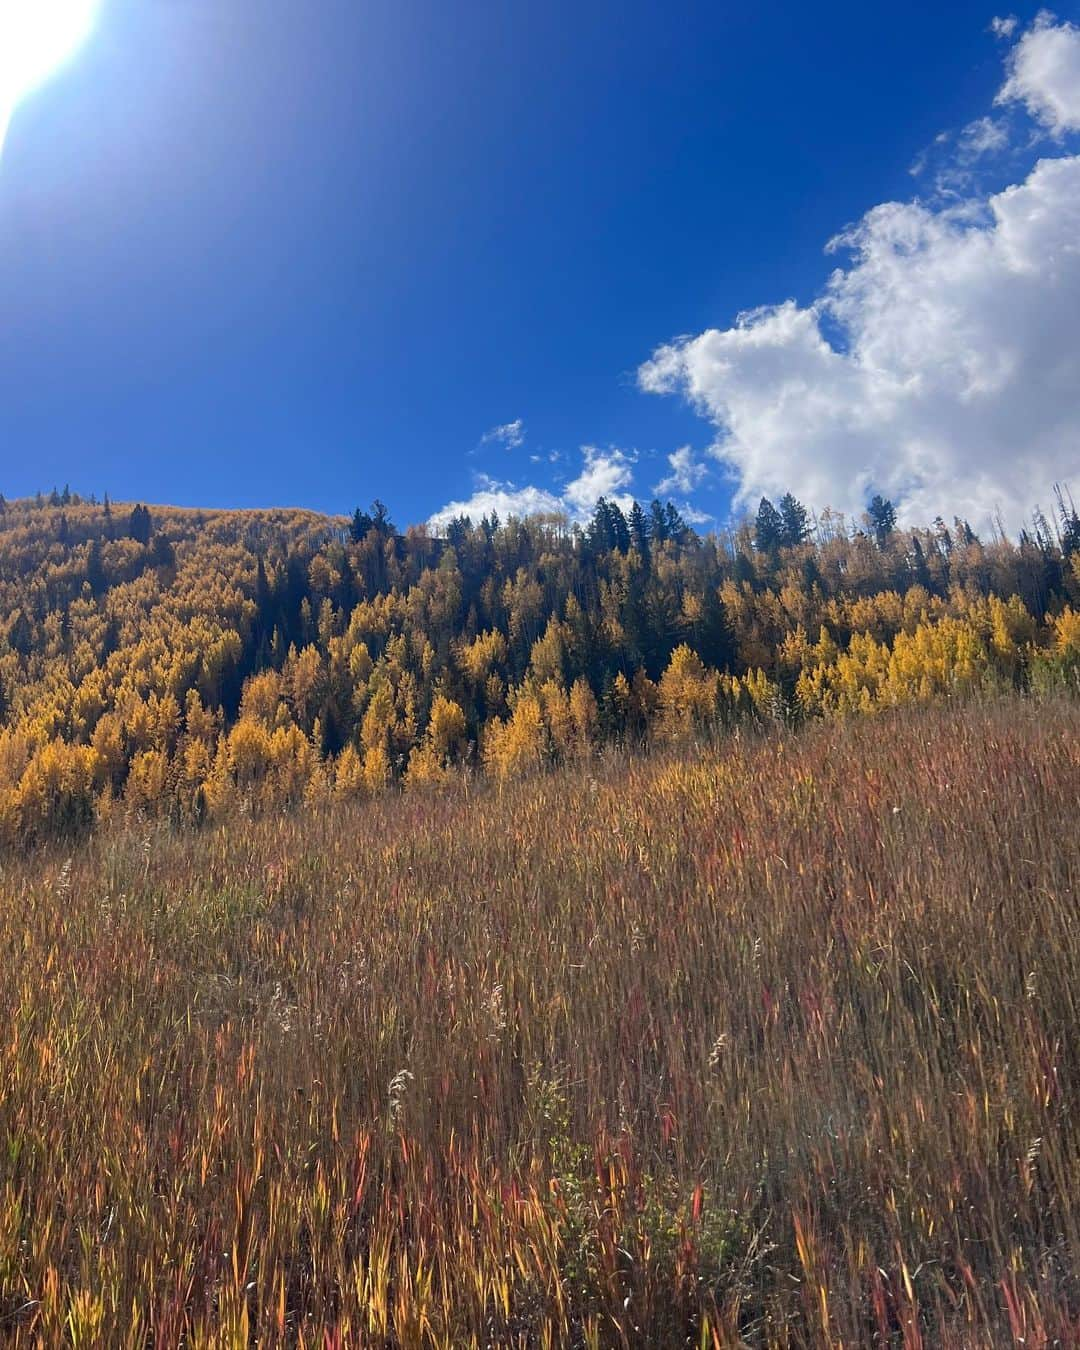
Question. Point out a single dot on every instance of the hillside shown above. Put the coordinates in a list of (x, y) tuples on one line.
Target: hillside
[(774, 1046), (193, 663)]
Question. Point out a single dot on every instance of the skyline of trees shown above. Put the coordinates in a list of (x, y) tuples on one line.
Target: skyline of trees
[(198, 662)]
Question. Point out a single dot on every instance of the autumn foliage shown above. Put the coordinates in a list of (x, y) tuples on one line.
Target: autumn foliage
[(190, 665)]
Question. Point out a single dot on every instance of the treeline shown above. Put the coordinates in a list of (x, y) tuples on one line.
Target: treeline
[(198, 663)]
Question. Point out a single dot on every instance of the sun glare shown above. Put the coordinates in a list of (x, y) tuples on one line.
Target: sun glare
[(36, 37)]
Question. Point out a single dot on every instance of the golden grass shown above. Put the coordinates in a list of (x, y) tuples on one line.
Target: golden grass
[(775, 1044)]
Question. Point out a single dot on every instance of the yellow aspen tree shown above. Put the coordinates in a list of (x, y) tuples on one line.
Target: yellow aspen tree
[(447, 728), (377, 768), (147, 781), (360, 664), (557, 716), (585, 713), (349, 773), (517, 746), (263, 699), (249, 753), (687, 693)]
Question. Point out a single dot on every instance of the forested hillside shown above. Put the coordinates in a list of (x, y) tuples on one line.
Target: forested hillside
[(195, 663)]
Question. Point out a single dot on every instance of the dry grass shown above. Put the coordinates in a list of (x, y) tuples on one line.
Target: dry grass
[(776, 1045)]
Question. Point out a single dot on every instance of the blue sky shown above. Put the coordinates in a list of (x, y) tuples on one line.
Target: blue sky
[(277, 253)]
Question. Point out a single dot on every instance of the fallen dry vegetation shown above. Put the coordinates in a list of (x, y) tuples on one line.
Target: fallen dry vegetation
[(776, 1043)]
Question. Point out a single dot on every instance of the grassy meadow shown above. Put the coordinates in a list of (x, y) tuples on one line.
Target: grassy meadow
[(768, 1043)]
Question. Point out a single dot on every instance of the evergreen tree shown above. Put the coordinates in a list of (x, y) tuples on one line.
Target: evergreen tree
[(360, 525), (919, 568), (768, 527), (658, 522), (608, 531), (140, 525), (639, 531), (712, 637), (1070, 535), (162, 552), (882, 515), (795, 527), (619, 528), (457, 533), (1070, 523), (95, 569), (676, 526)]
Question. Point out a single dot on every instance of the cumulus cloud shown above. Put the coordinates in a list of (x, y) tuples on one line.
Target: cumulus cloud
[(510, 435), (604, 473), (687, 474), (940, 365), (504, 499), (1044, 75), (1004, 28)]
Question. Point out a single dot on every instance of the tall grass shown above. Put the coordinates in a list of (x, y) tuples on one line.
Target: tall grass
[(777, 1044)]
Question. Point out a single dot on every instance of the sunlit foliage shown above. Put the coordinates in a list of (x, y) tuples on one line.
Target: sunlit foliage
[(193, 664)]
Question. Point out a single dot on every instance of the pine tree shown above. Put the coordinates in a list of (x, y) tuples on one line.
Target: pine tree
[(360, 525), (1070, 522), (795, 528), (95, 570), (639, 531), (140, 525), (768, 527), (676, 526), (658, 522), (882, 515)]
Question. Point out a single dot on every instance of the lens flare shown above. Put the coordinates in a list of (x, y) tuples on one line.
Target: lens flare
[(37, 37)]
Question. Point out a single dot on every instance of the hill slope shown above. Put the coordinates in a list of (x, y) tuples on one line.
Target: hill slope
[(189, 663)]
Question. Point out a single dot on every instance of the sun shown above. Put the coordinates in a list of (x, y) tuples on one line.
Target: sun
[(36, 37)]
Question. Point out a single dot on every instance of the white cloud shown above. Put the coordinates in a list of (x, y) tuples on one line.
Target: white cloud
[(604, 473), (953, 384), (1044, 74), (923, 158), (1004, 28), (686, 475), (941, 363), (510, 435), (984, 136), (504, 499)]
